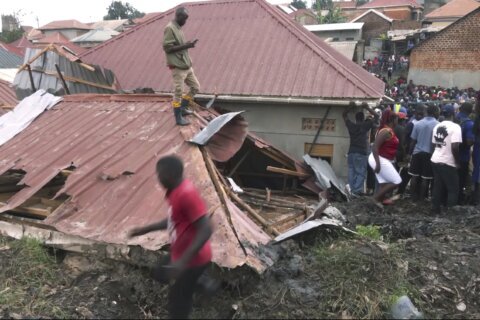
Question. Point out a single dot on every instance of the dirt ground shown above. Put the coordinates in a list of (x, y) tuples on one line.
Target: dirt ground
[(435, 260)]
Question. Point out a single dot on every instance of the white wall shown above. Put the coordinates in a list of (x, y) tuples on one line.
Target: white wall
[(446, 78), (281, 125)]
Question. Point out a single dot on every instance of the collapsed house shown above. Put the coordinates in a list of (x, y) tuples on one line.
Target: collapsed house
[(86, 168), (59, 71)]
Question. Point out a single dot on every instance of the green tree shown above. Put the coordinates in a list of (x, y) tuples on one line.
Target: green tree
[(334, 15), (119, 10), (322, 5), (11, 29), (299, 4)]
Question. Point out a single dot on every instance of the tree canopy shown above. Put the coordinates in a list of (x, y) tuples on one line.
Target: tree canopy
[(299, 4), (119, 10), (11, 29)]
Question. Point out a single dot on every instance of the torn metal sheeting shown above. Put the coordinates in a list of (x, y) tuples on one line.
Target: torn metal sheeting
[(213, 127), (109, 136), (309, 225), (324, 174), (79, 78)]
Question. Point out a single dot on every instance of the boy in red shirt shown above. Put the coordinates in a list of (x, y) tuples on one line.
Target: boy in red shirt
[(189, 229)]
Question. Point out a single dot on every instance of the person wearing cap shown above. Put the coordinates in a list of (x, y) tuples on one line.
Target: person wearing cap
[(447, 137), (421, 149), (468, 138), (358, 150), (179, 62)]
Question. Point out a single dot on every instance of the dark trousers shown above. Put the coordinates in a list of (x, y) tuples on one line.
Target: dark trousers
[(464, 180), (180, 296), (445, 182)]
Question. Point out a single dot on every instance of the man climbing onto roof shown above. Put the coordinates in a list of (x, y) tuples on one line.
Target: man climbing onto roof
[(179, 62)]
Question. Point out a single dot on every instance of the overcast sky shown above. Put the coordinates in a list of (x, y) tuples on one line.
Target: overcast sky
[(83, 10)]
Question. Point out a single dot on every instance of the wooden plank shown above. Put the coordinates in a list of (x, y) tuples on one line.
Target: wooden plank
[(319, 150), (287, 172), (35, 211)]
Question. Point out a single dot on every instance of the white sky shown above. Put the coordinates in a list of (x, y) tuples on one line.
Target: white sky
[(81, 10)]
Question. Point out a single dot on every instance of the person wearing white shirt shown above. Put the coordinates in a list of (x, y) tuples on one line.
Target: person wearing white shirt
[(446, 139)]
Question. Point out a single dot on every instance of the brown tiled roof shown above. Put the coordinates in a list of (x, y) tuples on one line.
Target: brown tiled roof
[(390, 3), (233, 57), (65, 24), (454, 9)]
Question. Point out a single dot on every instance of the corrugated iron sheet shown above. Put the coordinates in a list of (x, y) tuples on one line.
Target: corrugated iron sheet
[(114, 143), (45, 75), (9, 59), (7, 94), (246, 47)]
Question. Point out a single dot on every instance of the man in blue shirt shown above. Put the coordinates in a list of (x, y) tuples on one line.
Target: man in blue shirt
[(468, 138), (421, 148)]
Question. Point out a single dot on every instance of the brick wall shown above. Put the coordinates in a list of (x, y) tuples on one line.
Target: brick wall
[(406, 25), (374, 26), (455, 48)]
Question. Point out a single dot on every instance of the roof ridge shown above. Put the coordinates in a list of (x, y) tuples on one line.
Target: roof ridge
[(333, 61), (381, 15)]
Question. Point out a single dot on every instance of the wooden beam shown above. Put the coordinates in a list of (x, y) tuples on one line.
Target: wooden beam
[(35, 211), (65, 87), (239, 163), (35, 57), (287, 172)]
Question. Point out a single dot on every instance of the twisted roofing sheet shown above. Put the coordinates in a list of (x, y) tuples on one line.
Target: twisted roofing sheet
[(246, 47), (114, 142)]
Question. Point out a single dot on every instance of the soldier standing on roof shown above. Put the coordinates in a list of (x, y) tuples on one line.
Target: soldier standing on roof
[(178, 60)]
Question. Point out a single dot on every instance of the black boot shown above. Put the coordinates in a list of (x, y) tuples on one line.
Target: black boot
[(184, 106), (179, 118)]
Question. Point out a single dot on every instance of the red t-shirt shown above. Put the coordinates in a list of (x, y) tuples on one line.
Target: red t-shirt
[(389, 148), (186, 207)]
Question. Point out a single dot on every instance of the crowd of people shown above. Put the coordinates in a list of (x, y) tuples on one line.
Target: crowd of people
[(425, 140), (386, 64)]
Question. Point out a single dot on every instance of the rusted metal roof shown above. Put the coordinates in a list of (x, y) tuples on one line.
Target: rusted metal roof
[(390, 3), (246, 48), (7, 95), (114, 142), (65, 24), (454, 9)]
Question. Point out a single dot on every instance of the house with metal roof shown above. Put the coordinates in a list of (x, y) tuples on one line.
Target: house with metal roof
[(395, 9), (450, 12), (94, 37), (117, 25), (69, 28), (254, 57), (8, 59)]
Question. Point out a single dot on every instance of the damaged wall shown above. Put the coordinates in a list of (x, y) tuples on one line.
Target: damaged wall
[(282, 126)]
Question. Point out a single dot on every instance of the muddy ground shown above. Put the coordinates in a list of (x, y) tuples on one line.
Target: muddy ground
[(435, 260)]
